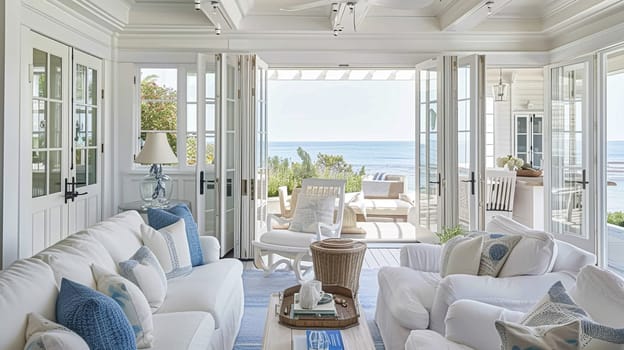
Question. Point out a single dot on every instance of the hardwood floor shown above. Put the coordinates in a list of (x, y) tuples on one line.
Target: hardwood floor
[(374, 258)]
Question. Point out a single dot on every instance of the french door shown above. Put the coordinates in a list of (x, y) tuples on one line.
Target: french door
[(470, 139), (570, 183), (218, 130), (254, 156), (60, 186), (430, 146)]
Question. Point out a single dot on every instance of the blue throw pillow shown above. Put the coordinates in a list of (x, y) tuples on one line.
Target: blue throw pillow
[(97, 318), (159, 218)]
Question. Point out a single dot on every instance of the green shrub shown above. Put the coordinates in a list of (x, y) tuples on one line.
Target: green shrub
[(449, 232), (616, 218), (283, 172)]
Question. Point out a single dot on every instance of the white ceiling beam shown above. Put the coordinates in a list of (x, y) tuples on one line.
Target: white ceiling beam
[(467, 14), (226, 14), (574, 12)]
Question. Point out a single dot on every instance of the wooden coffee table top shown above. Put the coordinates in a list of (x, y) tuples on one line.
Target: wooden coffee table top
[(278, 337)]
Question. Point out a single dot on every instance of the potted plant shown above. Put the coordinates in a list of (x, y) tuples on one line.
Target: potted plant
[(509, 161), (449, 233)]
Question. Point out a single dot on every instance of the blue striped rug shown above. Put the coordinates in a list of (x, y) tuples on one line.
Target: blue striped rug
[(257, 291)]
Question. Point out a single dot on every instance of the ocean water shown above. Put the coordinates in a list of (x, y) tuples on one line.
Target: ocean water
[(395, 157), (398, 157)]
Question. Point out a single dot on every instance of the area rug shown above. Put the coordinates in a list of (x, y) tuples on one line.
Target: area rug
[(257, 291)]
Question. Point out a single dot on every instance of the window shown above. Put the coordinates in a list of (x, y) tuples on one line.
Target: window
[(159, 103), (191, 118)]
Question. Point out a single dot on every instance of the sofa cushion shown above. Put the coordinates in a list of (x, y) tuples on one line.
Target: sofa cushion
[(461, 255), (496, 250), (539, 245), (288, 238), (183, 330), (383, 207), (207, 288), (426, 339), (26, 286), (170, 246), (97, 318), (72, 257), (43, 334), (557, 307), (560, 336), (144, 270), (120, 234), (601, 294), (159, 218), (132, 302), (312, 210), (408, 294)]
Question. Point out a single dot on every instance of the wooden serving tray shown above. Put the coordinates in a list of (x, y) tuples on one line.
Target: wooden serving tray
[(346, 316)]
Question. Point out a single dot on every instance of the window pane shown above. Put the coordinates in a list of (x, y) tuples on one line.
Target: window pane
[(92, 87), (191, 149), (55, 171), (92, 166), (39, 166), (81, 166), (40, 76), (92, 127), (159, 102), (54, 125), (191, 117), (191, 87), (56, 77), (39, 124), (81, 77)]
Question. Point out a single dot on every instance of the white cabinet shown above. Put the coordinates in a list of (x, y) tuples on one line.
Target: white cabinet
[(528, 139)]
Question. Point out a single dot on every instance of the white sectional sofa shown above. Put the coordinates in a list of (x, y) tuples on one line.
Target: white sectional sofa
[(202, 310)]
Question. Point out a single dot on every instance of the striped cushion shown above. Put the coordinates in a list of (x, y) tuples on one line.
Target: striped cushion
[(144, 270), (159, 218), (95, 317), (170, 246)]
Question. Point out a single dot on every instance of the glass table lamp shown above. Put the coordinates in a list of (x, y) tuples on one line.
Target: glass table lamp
[(156, 188)]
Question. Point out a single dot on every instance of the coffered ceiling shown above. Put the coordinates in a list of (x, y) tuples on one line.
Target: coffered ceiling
[(440, 26)]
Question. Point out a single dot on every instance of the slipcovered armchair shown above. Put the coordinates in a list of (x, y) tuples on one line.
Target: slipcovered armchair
[(470, 324), (415, 295), (325, 198)]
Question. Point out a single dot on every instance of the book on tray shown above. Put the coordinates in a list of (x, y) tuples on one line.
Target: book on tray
[(329, 339), (328, 309)]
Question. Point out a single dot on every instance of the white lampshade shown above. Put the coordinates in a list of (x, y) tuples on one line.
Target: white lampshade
[(156, 150)]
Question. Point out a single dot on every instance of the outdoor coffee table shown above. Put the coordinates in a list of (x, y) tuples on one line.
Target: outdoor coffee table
[(279, 337)]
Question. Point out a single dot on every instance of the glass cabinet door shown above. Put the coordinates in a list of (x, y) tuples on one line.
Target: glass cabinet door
[(522, 137)]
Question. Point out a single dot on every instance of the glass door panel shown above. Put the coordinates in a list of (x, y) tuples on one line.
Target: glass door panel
[(612, 140), (570, 176), (429, 175)]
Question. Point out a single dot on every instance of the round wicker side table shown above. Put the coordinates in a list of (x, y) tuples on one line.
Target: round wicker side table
[(338, 261)]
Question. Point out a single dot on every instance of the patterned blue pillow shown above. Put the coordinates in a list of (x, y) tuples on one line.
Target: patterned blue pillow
[(557, 307), (495, 251), (159, 218), (95, 317)]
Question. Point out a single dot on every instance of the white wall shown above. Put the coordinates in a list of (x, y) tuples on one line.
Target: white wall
[(525, 85), (2, 88)]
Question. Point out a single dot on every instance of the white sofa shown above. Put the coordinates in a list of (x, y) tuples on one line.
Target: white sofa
[(415, 296), (202, 310), (470, 324)]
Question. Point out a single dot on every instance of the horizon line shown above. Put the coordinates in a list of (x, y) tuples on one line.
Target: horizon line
[(402, 140)]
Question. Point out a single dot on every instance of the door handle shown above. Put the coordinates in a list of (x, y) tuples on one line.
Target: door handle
[(472, 182), (584, 181), (70, 189), (202, 181), (439, 182)]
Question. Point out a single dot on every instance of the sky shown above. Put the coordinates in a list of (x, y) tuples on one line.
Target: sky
[(325, 110), (615, 107)]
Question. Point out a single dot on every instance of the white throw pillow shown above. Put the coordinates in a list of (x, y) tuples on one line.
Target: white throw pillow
[(132, 302), (170, 246), (535, 254), (311, 210), (600, 293), (43, 334), (462, 255), (144, 270)]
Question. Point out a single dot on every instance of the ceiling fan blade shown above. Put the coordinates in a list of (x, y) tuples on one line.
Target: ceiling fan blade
[(402, 4), (310, 5)]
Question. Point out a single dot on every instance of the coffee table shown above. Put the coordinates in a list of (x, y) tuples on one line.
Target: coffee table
[(278, 337)]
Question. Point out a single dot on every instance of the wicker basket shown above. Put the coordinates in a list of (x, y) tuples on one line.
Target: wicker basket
[(338, 261)]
